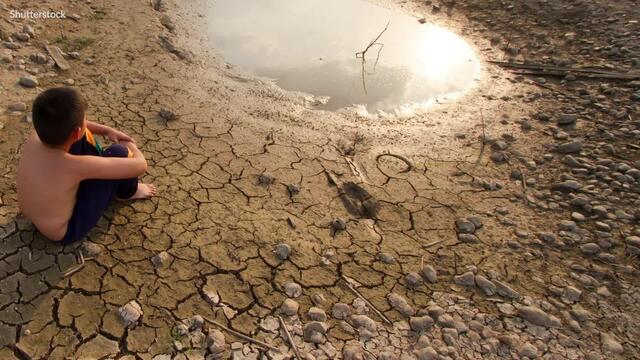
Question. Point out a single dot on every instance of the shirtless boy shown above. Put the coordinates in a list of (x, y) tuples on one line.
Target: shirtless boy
[(65, 180)]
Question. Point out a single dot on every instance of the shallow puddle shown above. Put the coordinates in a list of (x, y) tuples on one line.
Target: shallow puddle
[(311, 46)]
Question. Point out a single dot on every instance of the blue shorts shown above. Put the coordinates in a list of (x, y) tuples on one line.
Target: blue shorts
[(95, 195)]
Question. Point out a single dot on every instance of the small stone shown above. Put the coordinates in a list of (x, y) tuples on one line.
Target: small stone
[(17, 106), (466, 279), (427, 353), (430, 274), (289, 307), (161, 259), (446, 321), (283, 251), (567, 186), (468, 238), (576, 216), (338, 225), (181, 330), (74, 55), (420, 323), (537, 316), (270, 323), (590, 248), (610, 345), (363, 321), (313, 331), (413, 280), (341, 311), (317, 314), (216, 341), (567, 119), (211, 297), (353, 351), (28, 81), (195, 322), (570, 147), (464, 226), (386, 258), (266, 179), (293, 290), (293, 189), (487, 286), (528, 350), (130, 312), (68, 82), (571, 294), (505, 290), (400, 304), (165, 114), (39, 58)]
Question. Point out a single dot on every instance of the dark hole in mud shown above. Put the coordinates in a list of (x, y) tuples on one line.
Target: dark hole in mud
[(311, 46)]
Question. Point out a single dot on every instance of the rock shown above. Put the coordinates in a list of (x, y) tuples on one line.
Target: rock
[(28, 81), (216, 341), (567, 119), (270, 323), (567, 186), (590, 248), (195, 322), (427, 353), (352, 350), (317, 314), (161, 259), (293, 189), (633, 240), (488, 287), (570, 147), (446, 321), (386, 258), (464, 226), (211, 297), (74, 55), (420, 323), (90, 249), (283, 251), (466, 279), (28, 29), (38, 58), (130, 313), (289, 307), (429, 274), (68, 82), (538, 317), (413, 280), (435, 311), (363, 321), (181, 330), (576, 216), (505, 290), (56, 54), (266, 179), (314, 331), (338, 225), (17, 106), (468, 238), (400, 304), (571, 294), (341, 311), (293, 290), (166, 115), (21, 36), (528, 350), (610, 345)]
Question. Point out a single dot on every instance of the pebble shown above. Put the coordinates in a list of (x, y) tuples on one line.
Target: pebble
[(420, 323), (538, 317), (211, 297), (487, 286), (17, 106), (400, 304), (161, 259), (590, 248), (363, 321), (413, 280), (338, 225), (570, 147), (528, 350), (317, 314), (610, 345), (293, 290), (68, 82), (283, 251), (464, 226), (216, 341), (270, 323), (289, 307), (427, 353), (341, 311), (429, 274), (266, 179), (353, 350), (39, 58), (293, 189), (466, 279), (130, 312), (576, 216), (468, 238), (567, 186), (28, 81), (165, 114), (386, 258), (314, 332), (566, 119)]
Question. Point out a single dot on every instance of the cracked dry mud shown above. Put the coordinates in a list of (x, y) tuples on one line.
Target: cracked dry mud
[(462, 258)]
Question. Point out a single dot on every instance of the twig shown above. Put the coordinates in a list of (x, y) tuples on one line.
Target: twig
[(433, 243), (240, 335), (422, 263), (362, 53), (289, 338), (399, 157), (357, 293), (72, 271)]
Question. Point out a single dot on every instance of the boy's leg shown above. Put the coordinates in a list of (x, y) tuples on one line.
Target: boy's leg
[(83, 147), (95, 195), (126, 187)]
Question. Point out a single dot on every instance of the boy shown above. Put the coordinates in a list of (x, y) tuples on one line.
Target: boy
[(65, 180)]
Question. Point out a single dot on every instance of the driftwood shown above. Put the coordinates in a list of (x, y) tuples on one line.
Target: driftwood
[(357, 293), (241, 335), (289, 338), (550, 70)]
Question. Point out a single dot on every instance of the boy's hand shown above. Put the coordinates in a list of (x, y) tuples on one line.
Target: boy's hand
[(117, 136)]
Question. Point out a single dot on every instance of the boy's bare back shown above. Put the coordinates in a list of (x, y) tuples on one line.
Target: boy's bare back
[(46, 189)]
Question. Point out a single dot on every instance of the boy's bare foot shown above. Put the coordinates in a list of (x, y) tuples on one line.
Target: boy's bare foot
[(144, 191)]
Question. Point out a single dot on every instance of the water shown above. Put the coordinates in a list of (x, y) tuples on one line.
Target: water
[(311, 46)]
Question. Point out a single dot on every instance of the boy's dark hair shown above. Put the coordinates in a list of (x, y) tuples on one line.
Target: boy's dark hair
[(57, 112)]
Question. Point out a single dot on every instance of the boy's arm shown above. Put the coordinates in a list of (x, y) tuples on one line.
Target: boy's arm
[(110, 132), (98, 167)]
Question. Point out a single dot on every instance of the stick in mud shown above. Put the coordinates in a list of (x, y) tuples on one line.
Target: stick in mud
[(357, 293), (240, 335), (289, 338)]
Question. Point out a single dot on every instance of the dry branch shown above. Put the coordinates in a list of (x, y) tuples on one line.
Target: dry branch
[(362, 53), (241, 335), (289, 338), (357, 293)]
